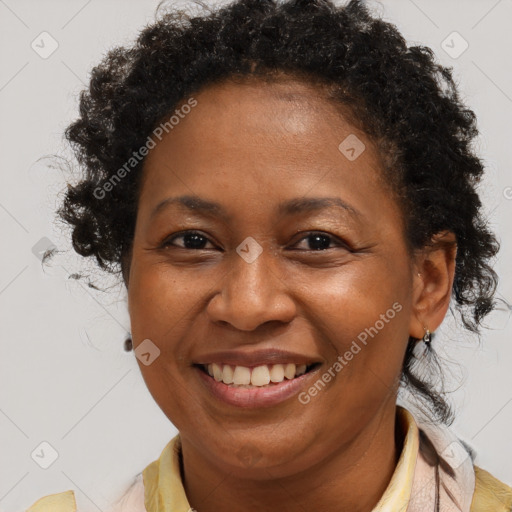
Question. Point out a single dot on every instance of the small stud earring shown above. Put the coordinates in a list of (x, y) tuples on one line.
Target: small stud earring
[(421, 347), (128, 344)]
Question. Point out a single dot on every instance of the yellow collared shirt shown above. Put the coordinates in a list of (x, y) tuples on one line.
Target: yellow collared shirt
[(163, 489)]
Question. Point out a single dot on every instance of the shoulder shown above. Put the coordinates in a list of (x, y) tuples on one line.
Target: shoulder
[(131, 501), (61, 502), (490, 493)]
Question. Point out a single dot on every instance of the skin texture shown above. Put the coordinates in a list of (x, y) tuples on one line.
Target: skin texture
[(250, 147)]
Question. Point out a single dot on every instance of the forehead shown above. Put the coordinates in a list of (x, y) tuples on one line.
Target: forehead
[(255, 137), (288, 105), (280, 120)]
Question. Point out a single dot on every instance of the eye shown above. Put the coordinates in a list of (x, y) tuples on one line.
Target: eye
[(319, 241), (194, 240), (191, 240)]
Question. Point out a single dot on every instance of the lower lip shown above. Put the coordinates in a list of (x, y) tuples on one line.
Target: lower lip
[(255, 397)]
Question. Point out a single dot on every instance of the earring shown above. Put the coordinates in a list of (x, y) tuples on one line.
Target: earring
[(422, 346), (128, 344)]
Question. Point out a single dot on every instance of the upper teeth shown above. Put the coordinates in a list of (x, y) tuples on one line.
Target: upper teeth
[(257, 376)]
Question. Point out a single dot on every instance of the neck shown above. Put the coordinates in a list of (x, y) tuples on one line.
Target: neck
[(349, 479)]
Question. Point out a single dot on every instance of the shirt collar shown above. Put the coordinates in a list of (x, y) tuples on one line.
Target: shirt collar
[(397, 494), (164, 491)]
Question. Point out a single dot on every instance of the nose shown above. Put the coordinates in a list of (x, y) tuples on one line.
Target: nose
[(252, 294)]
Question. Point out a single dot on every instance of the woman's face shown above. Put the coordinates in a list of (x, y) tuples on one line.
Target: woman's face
[(256, 288)]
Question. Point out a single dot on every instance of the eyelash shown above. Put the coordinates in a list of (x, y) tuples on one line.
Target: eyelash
[(168, 241)]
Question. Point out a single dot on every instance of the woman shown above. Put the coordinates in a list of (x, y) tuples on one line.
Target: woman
[(289, 194)]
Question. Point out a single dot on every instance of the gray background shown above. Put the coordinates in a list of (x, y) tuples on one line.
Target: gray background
[(64, 376)]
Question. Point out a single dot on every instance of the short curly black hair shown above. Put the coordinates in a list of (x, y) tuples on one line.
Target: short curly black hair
[(402, 99)]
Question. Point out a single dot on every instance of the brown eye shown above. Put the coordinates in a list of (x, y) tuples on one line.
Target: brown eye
[(192, 240), (321, 241)]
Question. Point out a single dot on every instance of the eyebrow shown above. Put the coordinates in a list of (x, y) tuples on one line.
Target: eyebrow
[(291, 207)]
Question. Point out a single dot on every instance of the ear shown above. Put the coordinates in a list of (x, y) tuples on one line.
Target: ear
[(434, 272)]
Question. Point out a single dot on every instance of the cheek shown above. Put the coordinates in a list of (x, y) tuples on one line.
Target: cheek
[(354, 297), (364, 349), (159, 303), (361, 314), (158, 297)]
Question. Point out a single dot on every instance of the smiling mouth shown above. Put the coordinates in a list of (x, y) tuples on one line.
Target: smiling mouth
[(257, 376)]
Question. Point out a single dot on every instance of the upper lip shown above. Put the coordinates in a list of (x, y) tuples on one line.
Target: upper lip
[(255, 358)]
